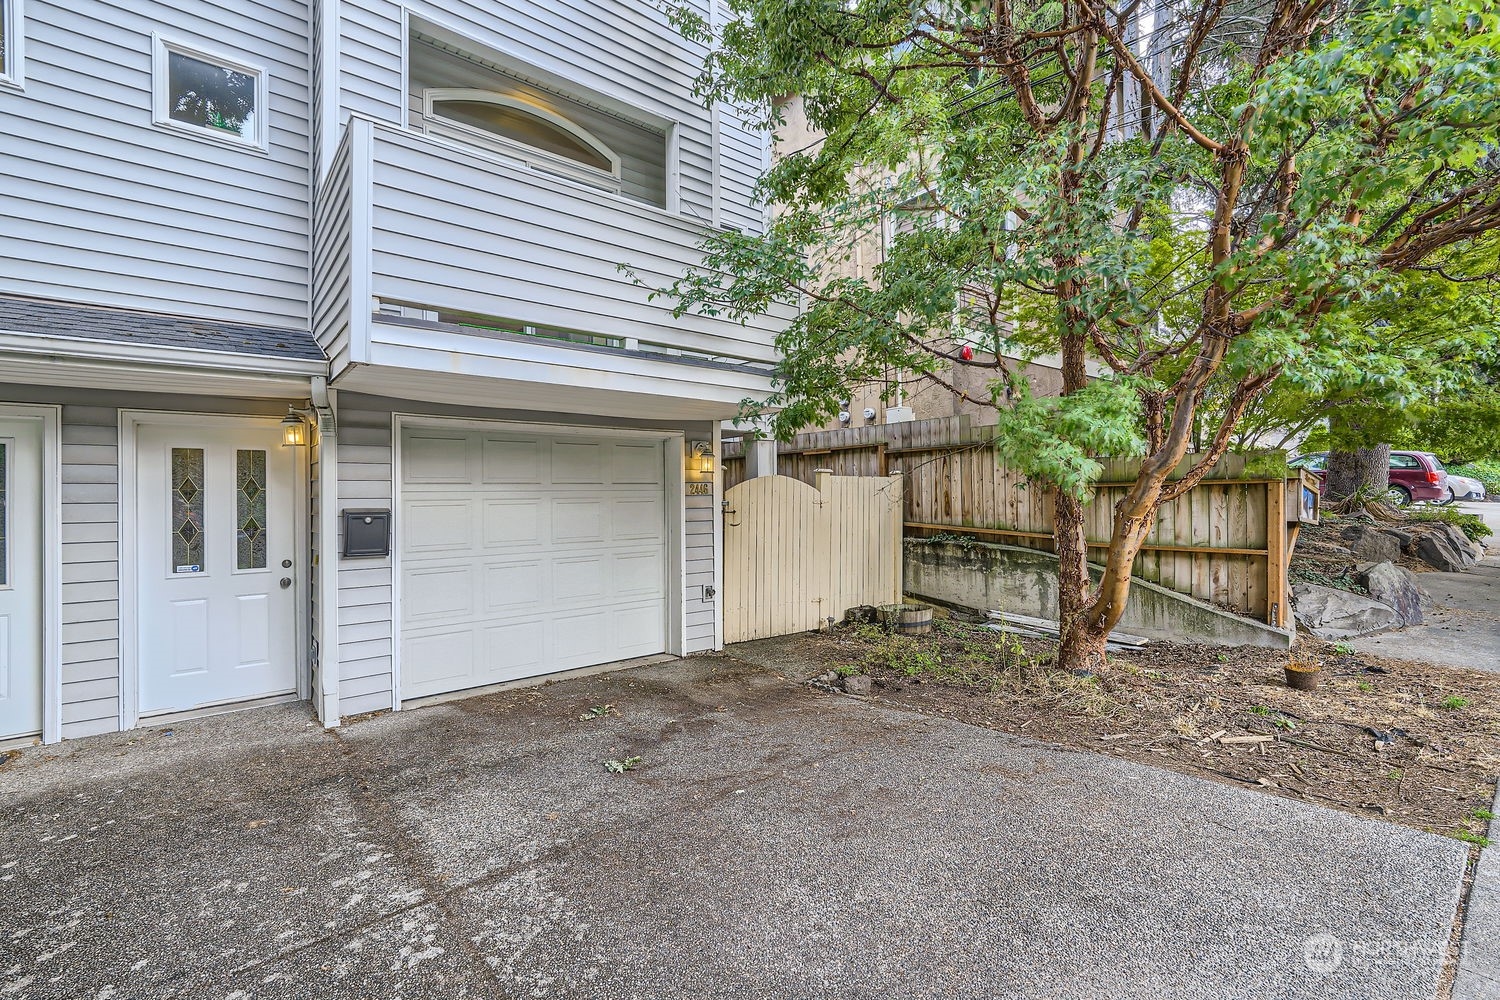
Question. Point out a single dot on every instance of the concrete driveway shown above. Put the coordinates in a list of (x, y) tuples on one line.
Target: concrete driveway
[(772, 842)]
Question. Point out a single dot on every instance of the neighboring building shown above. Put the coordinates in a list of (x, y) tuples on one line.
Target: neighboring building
[(961, 390), (406, 224)]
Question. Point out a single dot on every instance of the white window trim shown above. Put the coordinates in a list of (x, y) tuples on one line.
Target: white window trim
[(538, 159), (161, 117), (13, 12)]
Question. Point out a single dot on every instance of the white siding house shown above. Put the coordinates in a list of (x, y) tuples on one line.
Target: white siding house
[(329, 365)]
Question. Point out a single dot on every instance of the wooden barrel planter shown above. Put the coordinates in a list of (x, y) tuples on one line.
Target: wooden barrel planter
[(907, 619), (1302, 676)]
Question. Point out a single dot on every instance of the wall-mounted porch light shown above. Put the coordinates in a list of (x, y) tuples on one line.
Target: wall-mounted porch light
[(293, 429), (703, 456)]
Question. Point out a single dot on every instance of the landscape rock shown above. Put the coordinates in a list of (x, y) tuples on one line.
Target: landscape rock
[(1445, 548), (1402, 537), (1338, 614), (1393, 586), (1371, 544), (859, 684)]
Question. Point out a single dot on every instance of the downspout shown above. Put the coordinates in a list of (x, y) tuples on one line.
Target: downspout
[(326, 557)]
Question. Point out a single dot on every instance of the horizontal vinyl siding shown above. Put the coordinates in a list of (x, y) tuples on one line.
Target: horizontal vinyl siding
[(103, 207), (370, 81), (622, 50), (365, 590), (332, 271), (453, 231), (698, 570), (90, 628), (742, 153)]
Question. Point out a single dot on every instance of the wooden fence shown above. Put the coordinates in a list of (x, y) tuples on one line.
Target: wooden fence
[(796, 556), (1225, 542)]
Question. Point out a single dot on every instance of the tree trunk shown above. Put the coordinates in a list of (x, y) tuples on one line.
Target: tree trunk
[(1349, 472), (1081, 644)]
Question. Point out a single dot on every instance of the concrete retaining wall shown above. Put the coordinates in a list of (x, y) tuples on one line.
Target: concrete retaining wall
[(989, 577)]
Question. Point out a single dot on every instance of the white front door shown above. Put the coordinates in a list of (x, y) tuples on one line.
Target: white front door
[(216, 558), (526, 554), (20, 578)]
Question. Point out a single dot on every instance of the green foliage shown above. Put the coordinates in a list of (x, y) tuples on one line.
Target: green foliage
[(1486, 470), (621, 766), (940, 201), (1453, 703), (1056, 439), (1472, 525)]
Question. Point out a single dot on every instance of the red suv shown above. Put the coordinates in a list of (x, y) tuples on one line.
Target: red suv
[(1416, 476)]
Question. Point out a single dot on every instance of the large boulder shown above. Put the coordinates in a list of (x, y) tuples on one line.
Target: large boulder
[(1371, 544), (1402, 537), (1393, 586), (1338, 614), (1445, 548)]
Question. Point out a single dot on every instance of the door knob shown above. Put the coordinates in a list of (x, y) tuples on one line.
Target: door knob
[(286, 582)]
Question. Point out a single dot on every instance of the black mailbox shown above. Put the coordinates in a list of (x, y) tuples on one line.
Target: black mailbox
[(367, 533)]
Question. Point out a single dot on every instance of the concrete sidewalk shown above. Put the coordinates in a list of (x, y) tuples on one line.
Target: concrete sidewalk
[(1462, 627), (772, 842), (1479, 961)]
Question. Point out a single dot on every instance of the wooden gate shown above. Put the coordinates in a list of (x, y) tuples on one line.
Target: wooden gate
[(797, 557)]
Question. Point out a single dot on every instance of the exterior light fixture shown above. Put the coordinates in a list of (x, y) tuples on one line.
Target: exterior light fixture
[(703, 453), (293, 430)]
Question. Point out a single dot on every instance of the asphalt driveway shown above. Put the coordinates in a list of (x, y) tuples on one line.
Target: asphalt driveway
[(772, 842)]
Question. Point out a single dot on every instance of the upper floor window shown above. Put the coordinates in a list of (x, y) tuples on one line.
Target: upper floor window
[(12, 59), (462, 91), (539, 136), (210, 96)]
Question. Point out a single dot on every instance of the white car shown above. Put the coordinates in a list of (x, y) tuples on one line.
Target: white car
[(1464, 488)]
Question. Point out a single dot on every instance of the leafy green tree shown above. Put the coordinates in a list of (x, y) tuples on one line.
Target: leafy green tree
[(1194, 194), (1418, 371)]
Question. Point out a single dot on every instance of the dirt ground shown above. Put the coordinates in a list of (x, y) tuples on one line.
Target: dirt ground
[(1409, 743)]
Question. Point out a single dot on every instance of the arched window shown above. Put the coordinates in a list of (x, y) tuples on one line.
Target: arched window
[(537, 135)]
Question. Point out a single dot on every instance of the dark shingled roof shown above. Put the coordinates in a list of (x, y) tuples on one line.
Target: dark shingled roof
[(128, 326)]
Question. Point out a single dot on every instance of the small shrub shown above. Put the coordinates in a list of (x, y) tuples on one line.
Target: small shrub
[(1453, 703), (1472, 525)]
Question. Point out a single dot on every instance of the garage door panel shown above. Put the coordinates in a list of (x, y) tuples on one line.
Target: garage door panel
[(438, 592), (433, 526), (514, 587), (513, 650), (524, 555), (514, 522), (579, 520), (636, 465), (637, 630), (578, 638), (436, 457), (579, 579), (575, 463), (434, 662), (638, 517), (637, 575), (511, 461)]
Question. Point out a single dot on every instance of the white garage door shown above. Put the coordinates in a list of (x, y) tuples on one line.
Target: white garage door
[(523, 555)]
